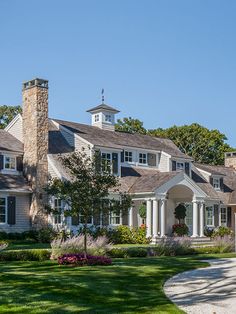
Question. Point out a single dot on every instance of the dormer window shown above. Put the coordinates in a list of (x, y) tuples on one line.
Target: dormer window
[(96, 118), (108, 118), (143, 158), (216, 183), (9, 163), (128, 156), (179, 166)]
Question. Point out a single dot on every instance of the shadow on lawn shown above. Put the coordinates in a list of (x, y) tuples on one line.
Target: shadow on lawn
[(129, 286)]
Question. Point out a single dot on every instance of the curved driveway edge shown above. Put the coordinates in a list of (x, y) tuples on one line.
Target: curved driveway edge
[(206, 290)]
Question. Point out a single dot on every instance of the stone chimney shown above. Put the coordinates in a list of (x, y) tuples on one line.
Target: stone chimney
[(35, 135), (230, 159)]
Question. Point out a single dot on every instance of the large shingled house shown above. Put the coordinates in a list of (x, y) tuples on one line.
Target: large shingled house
[(153, 170)]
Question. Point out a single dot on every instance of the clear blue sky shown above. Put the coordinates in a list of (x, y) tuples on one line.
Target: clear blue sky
[(163, 62)]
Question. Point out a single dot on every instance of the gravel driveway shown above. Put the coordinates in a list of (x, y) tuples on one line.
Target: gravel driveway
[(208, 290)]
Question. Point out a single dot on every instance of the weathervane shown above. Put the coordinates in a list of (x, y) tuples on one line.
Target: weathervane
[(103, 97)]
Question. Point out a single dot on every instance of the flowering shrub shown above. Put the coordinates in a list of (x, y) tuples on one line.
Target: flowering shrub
[(224, 244), (180, 230), (3, 245), (222, 231), (98, 246), (81, 260)]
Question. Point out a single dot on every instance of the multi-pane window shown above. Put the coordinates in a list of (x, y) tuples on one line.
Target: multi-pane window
[(179, 166), (115, 218), (58, 209), (142, 158), (106, 162), (9, 163), (209, 216), (108, 118), (3, 209), (223, 217), (96, 118), (216, 183), (128, 156)]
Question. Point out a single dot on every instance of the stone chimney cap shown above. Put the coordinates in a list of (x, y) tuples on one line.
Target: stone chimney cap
[(230, 154), (35, 82)]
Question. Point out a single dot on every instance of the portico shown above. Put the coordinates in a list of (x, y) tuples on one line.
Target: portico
[(160, 207)]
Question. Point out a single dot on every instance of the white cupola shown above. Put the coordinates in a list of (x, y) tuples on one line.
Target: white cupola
[(103, 117)]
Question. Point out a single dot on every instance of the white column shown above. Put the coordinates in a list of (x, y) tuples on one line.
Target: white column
[(149, 218), (163, 216), (195, 219), (131, 222), (202, 219), (155, 218), (219, 216)]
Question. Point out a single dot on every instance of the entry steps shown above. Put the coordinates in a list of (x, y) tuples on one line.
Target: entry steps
[(196, 242)]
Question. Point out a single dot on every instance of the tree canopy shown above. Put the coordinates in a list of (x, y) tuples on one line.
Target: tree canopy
[(130, 125), (200, 143), (8, 113)]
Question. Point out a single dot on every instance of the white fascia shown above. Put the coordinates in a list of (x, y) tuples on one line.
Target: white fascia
[(204, 171), (182, 179), (51, 162), (17, 117)]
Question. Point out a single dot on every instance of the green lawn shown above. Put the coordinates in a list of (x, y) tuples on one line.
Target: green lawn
[(129, 286)]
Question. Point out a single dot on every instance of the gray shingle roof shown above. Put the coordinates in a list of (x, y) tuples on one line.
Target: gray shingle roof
[(57, 144), (103, 107), (9, 142), (136, 180), (13, 182), (110, 139), (215, 170)]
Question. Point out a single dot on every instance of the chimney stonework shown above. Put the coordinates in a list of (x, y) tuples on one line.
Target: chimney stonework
[(230, 159), (35, 134)]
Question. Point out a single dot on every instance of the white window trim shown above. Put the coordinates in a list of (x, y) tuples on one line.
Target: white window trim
[(4, 163), (62, 214), (140, 163), (6, 205), (132, 157), (218, 181), (226, 214), (213, 216), (110, 217), (180, 168), (96, 117)]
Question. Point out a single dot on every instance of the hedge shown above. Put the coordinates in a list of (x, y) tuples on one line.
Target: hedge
[(25, 255)]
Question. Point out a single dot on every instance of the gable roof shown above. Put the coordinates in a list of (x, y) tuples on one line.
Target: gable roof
[(215, 170), (9, 143), (120, 140), (57, 144)]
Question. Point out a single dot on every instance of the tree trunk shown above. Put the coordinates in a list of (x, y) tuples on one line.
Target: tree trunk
[(85, 238)]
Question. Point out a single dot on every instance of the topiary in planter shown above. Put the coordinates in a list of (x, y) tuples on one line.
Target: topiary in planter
[(180, 230)]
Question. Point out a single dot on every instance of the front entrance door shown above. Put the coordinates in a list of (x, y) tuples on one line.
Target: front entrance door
[(189, 217)]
